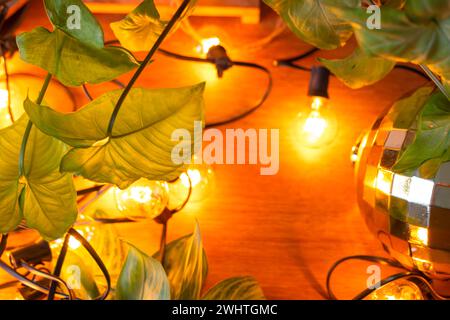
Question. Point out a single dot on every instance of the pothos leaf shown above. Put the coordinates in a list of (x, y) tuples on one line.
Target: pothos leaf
[(404, 112), (75, 19), (433, 136), (71, 61), (311, 21), (142, 278), (359, 69), (140, 29), (238, 288), (43, 196), (141, 143), (186, 266), (403, 39), (427, 10)]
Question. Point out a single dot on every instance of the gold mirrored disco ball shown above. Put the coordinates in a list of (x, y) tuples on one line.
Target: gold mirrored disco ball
[(408, 214)]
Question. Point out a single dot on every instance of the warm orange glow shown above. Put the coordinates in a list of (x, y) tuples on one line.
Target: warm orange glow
[(383, 181), (143, 199), (194, 175), (419, 235), (397, 290), (317, 127), (207, 44)]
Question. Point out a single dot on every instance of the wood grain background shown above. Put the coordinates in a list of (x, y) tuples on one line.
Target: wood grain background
[(285, 230)]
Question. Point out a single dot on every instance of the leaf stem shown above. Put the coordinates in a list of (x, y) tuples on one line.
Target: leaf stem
[(144, 63), (26, 135), (163, 242)]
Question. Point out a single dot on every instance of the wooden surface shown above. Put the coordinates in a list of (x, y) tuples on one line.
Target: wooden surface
[(285, 230), (247, 10)]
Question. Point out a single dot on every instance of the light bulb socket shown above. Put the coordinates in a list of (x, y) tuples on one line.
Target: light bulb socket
[(318, 83), (218, 55), (34, 254)]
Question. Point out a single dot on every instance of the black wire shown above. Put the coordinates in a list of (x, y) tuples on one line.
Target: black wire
[(411, 69), (289, 62), (233, 63), (384, 261)]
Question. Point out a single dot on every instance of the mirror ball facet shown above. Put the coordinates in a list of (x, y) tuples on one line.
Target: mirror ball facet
[(410, 215)]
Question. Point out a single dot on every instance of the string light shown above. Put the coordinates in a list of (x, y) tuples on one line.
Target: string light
[(317, 126), (206, 44), (201, 176), (143, 199), (397, 290)]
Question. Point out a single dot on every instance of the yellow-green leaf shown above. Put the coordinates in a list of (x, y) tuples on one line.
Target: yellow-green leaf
[(432, 138), (140, 146), (311, 21), (71, 61), (401, 38), (238, 288), (186, 266), (140, 29), (43, 196), (75, 19), (359, 69), (142, 278)]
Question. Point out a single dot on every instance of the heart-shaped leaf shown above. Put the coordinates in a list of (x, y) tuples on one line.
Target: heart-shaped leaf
[(238, 288), (142, 278), (186, 266), (71, 61), (43, 196), (311, 21), (359, 69), (432, 138), (427, 10), (75, 19), (140, 29), (141, 144), (403, 39)]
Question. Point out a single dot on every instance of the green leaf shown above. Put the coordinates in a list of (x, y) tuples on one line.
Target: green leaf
[(75, 19), (142, 278), (404, 112), (239, 288), (43, 196), (141, 144), (186, 266), (403, 39), (359, 69), (140, 29), (71, 61), (311, 21), (427, 10), (76, 272), (433, 136)]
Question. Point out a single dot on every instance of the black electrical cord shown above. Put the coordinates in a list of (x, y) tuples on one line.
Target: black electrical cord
[(52, 291), (213, 61), (415, 274), (290, 62), (232, 63)]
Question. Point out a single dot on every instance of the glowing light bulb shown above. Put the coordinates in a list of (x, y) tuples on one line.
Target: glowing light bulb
[(397, 290), (144, 199), (201, 177), (318, 126), (206, 44)]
